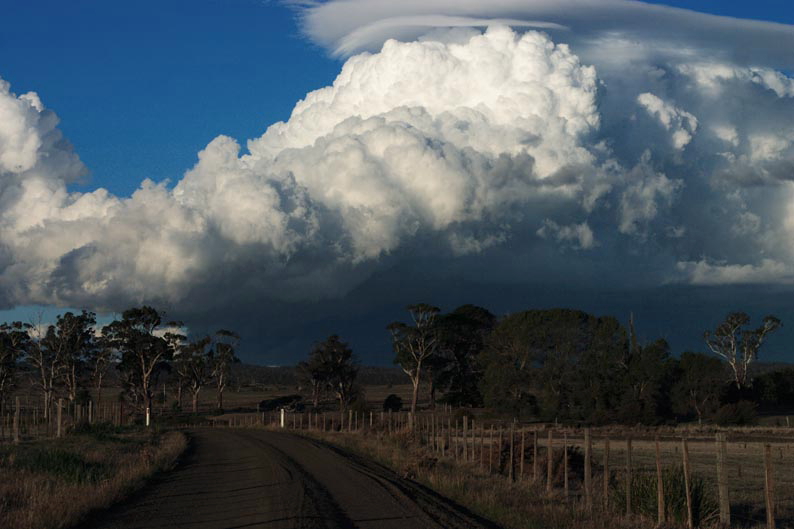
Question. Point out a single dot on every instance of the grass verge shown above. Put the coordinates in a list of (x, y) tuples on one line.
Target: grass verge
[(54, 484), (512, 505)]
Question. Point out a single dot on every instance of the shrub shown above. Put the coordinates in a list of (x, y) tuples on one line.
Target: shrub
[(741, 413), (68, 466), (705, 508), (392, 403), (101, 430), (359, 405)]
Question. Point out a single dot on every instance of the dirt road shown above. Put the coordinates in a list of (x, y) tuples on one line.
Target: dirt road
[(235, 479)]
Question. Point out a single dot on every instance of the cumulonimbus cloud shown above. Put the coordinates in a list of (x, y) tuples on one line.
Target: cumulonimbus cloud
[(449, 144)]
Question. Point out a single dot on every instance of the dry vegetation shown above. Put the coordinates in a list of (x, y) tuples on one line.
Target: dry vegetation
[(56, 483), (525, 504)]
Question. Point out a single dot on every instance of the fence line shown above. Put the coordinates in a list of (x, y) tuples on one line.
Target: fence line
[(571, 459)]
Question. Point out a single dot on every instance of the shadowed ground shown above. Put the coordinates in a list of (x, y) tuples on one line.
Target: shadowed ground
[(234, 479)]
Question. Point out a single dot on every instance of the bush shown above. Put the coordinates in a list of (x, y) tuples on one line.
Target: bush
[(359, 405), (705, 508), (392, 403), (100, 430), (63, 464), (742, 413)]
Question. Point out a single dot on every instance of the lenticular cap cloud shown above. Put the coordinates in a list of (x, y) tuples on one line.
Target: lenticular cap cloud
[(348, 26)]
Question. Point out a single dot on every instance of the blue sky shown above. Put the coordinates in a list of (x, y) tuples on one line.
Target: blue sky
[(140, 88)]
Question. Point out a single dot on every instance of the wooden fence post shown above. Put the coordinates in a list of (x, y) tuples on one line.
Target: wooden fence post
[(535, 463), (687, 483), (455, 440), (722, 479), (588, 477), (482, 446), (549, 461), (16, 421), (606, 474), (769, 487), (628, 476), (523, 448), (565, 465), (660, 506), (490, 452), (465, 443), (499, 449), (511, 470), (60, 417)]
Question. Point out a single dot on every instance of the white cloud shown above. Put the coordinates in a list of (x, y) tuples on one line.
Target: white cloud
[(767, 271), (579, 235), (645, 193), (680, 122), (456, 143), (349, 26), (448, 140)]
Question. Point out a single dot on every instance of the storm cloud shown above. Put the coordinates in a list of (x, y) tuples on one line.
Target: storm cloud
[(524, 132)]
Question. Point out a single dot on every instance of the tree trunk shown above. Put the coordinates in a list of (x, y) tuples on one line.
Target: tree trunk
[(98, 391), (47, 403), (195, 400), (415, 396)]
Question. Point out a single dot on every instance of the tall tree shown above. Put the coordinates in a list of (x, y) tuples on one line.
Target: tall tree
[(739, 346), (315, 373), (144, 354), (415, 344), (455, 368), (45, 354), (73, 337), (100, 358), (223, 356), (192, 362), (535, 361), (340, 368), (177, 341), (14, 342), (699, 382)]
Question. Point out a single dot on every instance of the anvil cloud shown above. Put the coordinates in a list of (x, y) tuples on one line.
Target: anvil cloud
[(646, 134)]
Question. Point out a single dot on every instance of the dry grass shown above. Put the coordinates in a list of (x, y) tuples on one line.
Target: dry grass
[(513, 505), (56, 483), (524, 504)]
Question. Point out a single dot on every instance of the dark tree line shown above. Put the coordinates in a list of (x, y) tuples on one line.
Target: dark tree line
[(331, 368), (72, 357), (568, 365)]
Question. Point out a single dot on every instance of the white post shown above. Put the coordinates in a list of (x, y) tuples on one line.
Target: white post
[(147, 416), (282, 417)]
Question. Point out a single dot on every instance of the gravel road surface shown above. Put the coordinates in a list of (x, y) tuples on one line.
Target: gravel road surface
[(235, 479)]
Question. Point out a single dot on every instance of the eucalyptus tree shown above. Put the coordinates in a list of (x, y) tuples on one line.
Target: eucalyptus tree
[(737, 345), (314, 372), (100, 359), (699, 383), (415, 344), (192, 362), (456, 367), (144, 354), (73, 337), (14, 342), (177, 341), (222, 357)]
